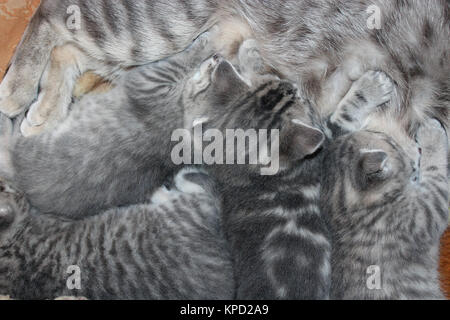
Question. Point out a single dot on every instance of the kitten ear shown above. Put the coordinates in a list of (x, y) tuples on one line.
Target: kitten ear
[(373, 161), (300, 140)]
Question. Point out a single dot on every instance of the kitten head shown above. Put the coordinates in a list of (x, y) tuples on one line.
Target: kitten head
[(227, 97), (366, 169)]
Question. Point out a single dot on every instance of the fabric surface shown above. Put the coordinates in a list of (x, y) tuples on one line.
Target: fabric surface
[(14, 17)]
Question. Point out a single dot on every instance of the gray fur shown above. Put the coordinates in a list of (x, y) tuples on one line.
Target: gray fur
[(318, 44), (388, 211), (113, 148), (278, 238), (170, 248)]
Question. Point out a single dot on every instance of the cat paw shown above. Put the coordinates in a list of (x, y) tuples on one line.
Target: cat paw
[(9, 107), (34, 117), (191, 180), (249, 52), (250, 60), (162, 195), (14, 102), (373, 89), (432, 134), (28, 130)]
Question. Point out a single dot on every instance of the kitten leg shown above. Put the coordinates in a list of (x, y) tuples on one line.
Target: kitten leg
[(20, 85), (373, 89), (65, 66), (6, 136), (434, 185), (432, 188), (187, 181)]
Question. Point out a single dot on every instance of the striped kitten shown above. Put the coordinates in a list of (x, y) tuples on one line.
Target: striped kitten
[(279, 240), (170, 248), (322, 45), (69, 171), (114, 148), (387, 214)]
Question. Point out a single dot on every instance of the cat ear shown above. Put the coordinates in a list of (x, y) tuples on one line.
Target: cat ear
[(300, 140), (373, 161), (227, 83)]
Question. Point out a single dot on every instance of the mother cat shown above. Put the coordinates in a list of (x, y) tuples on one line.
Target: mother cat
[(327, 42)]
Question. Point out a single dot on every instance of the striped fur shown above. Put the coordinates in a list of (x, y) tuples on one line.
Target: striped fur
[(387, 212), (290, 230), (113, 148), (321, 45), (173, 248), (278, 238)]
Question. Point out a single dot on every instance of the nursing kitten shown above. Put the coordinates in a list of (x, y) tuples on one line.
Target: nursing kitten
[(279, 240), (113, 148), (387, 214), (170, 248), (322, 45)]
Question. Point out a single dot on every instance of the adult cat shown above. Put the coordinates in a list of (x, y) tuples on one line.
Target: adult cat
[(321, 45)]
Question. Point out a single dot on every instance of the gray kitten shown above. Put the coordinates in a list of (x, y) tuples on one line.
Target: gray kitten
[(322, 45), (228, 98), (387, 214), (112, 149), (171, 247), (291, 233), (279, 240)]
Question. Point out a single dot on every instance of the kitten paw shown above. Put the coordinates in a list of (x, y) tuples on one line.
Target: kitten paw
[(162, 195), (250, 60), (191, 180), (373, 89), (14, 102), (28, 130), (34, 116), (432, 135)]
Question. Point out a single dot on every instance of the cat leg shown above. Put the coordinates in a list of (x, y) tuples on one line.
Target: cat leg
[(187, 181), (65, 66), (434, 184), (367, 93), (6, 136), (20, 85)]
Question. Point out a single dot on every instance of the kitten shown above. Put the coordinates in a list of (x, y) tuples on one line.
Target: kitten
[(112, 149), (279, 240), (291, 232), (387, 213), (170, 248), (322, 45), (99, 158)]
